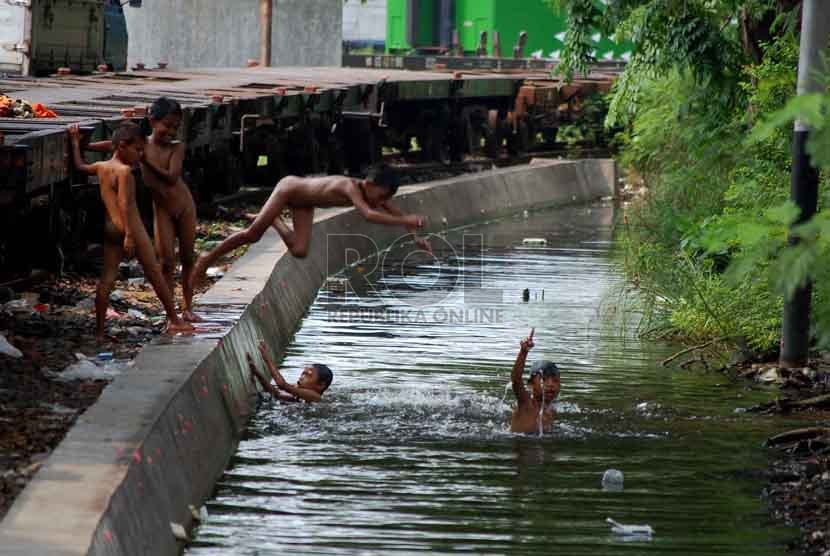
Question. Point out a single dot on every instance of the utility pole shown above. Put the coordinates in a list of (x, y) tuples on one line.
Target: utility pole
[(815, 35), (266, 16)]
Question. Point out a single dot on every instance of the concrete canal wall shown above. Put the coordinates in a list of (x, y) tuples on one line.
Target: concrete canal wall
[(162, 434)]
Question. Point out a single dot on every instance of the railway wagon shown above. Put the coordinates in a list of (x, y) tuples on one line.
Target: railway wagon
[(255, 125)]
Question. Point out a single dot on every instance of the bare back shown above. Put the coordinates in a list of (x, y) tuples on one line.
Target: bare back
[(328, 191)]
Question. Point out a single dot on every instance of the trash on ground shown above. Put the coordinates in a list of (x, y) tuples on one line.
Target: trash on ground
[(535, 242), (215, 272), (117, 295), (7, 349), (644, 531), (86, 304), (113, 314), (612, 480), (86, 369), (136, 314), (179, 531), (24, 305), (133, 282)]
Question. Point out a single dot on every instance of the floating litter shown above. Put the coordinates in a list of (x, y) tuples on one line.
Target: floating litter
[(535, 242), (640, 531), (612, 480)]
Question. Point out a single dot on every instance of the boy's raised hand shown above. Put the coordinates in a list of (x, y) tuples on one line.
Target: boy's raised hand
[(415, 221), (74, 132), (527, 344)]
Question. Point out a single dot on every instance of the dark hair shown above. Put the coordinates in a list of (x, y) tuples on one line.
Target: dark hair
[(544, 368), (164, 106), (384, 176), (324, 375), (127, 133)]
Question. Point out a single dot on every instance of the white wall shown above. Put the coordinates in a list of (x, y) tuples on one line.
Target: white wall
[(225, 33), (364, 22)]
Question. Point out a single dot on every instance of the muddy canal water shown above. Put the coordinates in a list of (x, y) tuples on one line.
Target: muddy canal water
[(411, 451)]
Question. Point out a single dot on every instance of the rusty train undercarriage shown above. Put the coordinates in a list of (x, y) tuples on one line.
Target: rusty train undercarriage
[(254, 125)]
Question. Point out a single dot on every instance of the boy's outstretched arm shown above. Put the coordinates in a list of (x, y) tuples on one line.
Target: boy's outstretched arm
[(266, 384), (409, 221), (75, 139), (172, 175), (301, 393), (421, 242), (516, 376)]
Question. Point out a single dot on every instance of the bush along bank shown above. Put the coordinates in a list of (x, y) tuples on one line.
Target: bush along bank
[(706, 253)]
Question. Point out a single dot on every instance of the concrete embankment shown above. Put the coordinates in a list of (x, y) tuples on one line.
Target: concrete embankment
[(162, 434)]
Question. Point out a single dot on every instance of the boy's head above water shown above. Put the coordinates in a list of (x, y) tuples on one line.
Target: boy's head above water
[(544, 381), (317, 377), (128, 143), (380, 185), (165, 117)]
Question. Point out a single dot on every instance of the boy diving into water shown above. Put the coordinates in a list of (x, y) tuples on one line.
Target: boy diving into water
[(544, 386), (302, 195), (311, 385)]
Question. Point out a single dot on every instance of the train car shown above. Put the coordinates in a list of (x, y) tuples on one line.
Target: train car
[(495, 28)]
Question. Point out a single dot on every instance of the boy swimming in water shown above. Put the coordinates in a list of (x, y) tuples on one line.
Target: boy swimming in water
[(534, 412), (302, 195), (311, 385), (124, 232)]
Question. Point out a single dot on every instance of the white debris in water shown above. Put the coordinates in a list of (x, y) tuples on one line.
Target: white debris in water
[(178, 531), (612, 480), (640, 531), (534, 242)]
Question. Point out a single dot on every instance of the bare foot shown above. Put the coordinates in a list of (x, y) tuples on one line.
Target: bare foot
[(174, 328), (190, 316)]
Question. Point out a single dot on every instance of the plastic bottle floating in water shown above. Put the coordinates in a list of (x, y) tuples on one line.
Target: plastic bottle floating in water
[(534, 242), (636, 531), (612, 480)]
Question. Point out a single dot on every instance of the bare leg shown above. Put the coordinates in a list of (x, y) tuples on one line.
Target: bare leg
[(301, 237), (152, 270), (166, 246), (186, 229), (113, 254), (269, 212)]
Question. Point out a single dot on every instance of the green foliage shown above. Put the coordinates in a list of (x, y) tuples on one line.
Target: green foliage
[(708, 247)]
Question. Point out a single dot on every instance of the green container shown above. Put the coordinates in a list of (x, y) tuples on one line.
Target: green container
[(545, 28)]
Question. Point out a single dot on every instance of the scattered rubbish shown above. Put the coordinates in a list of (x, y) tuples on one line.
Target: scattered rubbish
[(136, 314), (86, 304), (535, 242), (86, 369), (644, 531), (338, 285), (132, 269), (215, 273), (7, 349), (112, 313), (24, 305), (117, 295), (612, 480), (134, 282), (200, 515), (105, 356), (179, 531), (41, 308), (138, 330)]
